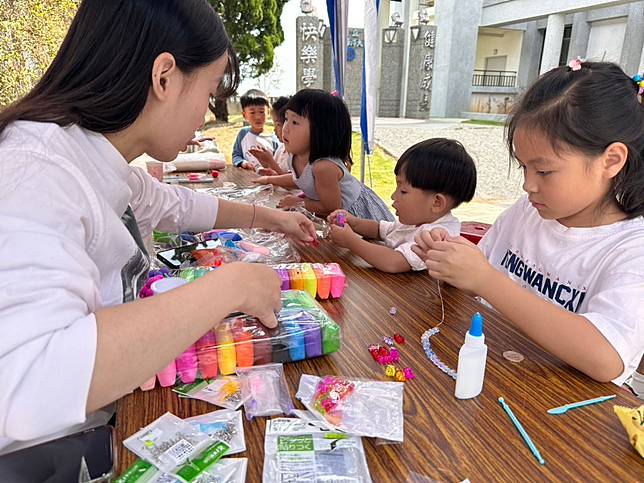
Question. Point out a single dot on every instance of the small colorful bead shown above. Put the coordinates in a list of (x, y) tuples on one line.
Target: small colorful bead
[(400, 376), (390, 371), (393, 311), (409, 373), (399, 339), (388, 340), (394, 354)]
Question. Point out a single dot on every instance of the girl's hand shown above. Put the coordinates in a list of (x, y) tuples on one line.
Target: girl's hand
[(425, 240), (348, 217), (267, 172), (263, 155), (458, 262), (342, 235), (259, 290), (246, 165), (290, 202), (262, 180), (295, 225)]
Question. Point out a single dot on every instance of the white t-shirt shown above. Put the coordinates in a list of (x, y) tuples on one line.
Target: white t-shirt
[(281, 157), (595, 272), (67, 238), (401, 237)]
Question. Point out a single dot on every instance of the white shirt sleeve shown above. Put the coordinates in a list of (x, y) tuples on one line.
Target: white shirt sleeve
[(616, 309), (48, 293), (169, 208), (387, 231)]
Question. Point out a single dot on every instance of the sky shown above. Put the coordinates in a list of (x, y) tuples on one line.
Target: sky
[(282, 80)]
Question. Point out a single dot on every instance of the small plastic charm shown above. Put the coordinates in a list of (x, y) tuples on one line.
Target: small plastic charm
[(340, 219), (400, 376), (390, 371), (399, 339), (214, 173), (395, 356), (409, 373), (383, 351), (393, 311), (388, 340)]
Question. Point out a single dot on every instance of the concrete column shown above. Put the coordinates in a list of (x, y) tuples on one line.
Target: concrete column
[(455, 56), (404, 81), (552, 42), (579, 36), (530, 50), (633, 38)]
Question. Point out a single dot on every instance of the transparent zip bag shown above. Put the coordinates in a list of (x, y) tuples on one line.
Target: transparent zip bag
[(297, 452)]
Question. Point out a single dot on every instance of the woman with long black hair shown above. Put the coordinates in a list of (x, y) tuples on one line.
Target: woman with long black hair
[(131, 77)]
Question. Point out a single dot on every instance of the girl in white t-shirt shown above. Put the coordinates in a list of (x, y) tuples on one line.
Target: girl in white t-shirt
[(565, 264), (432, 178), (129, 78)]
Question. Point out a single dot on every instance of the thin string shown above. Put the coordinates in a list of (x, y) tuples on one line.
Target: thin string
[(427, 347)]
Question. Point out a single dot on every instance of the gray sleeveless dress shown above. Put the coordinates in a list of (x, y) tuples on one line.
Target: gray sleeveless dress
[(357, 199)]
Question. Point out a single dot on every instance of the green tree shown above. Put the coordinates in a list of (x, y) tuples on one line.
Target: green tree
[(255, 30), (31, 32)]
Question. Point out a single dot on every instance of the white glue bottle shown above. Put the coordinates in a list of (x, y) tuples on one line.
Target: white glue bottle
[(471, 361)]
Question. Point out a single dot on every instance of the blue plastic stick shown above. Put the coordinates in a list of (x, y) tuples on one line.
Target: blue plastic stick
[(522, 431)]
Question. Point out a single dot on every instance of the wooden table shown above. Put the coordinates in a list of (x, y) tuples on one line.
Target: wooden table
[(445, 439)]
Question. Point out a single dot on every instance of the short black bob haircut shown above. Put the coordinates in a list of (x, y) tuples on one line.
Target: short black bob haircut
[(439, 165), (330, 123)]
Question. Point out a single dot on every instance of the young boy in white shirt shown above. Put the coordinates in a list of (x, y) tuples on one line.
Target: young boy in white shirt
[(255, 107), (432, 178)]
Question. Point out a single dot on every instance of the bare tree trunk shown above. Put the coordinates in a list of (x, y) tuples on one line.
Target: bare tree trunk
[(220, 110)]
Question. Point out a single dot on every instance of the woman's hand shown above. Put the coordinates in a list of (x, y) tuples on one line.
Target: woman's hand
[(295, 225), (259, 288), (290, 202)]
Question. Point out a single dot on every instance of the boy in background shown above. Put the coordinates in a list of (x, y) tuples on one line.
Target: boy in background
[(255, 107), (277, 162)]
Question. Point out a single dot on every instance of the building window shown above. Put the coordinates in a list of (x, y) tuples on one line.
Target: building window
[(565, 45)]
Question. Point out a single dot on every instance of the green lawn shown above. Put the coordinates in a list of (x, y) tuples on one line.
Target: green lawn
[(483, 122)]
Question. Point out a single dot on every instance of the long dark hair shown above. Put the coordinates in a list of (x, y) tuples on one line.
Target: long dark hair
[(587, 110), (330, 123), (101, 75)]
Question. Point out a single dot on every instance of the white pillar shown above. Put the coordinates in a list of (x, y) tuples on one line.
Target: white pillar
[(552, 42), (406, 31)]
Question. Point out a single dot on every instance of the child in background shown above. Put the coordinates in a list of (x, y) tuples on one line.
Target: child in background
[(255, 107), (432, 178), (565, 264), (274, 164), (317, 133)]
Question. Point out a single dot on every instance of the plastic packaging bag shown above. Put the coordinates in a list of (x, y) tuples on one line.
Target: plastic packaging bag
[(324, 280), (226, 470), (224, 425), (224, 392), (363, 408), (258, 195), (264, 390), (297, 452), (175, 446)]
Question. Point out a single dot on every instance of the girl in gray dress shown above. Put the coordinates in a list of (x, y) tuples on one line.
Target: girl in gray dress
[(317, 135)]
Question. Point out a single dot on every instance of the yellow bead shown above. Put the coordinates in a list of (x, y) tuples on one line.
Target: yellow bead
[(390, 371), (400, 376)]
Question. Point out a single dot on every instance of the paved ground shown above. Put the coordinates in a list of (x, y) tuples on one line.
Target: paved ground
[(499, 184)]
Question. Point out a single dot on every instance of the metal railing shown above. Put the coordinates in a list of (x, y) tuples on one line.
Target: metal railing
[(494, 78)]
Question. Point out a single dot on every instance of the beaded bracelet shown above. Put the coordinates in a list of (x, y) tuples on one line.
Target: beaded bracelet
[(427, 347)]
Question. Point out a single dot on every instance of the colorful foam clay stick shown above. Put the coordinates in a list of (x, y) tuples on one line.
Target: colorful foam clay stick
[(226, 350), (243, 344), (310, 282), (323, 279), (207, 355), (187, 365)]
